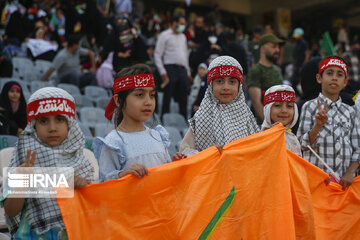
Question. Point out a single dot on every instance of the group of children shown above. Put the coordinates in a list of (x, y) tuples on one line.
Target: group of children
[(53, 134)]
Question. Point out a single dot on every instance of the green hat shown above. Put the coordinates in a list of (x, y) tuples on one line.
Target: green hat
[(266, 38)]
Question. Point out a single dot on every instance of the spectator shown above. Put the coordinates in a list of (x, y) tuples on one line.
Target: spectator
[(67, 64), (265, 73), (253, 46), (6, 67), (123, 8), (172, 61), (13, 107), (302, 55), (126, 44)]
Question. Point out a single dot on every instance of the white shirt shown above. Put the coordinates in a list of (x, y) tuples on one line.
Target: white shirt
[(171, 48)]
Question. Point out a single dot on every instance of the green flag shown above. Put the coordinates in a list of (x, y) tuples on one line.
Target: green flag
[(327, 45)]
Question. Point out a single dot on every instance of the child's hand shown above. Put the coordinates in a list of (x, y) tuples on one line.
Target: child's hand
[(80, 182), (219, 147), (346, 180), (138, 170), (28, 162), (178, 156), (321, 117)]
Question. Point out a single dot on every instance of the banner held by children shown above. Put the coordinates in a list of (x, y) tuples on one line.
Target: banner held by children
[(252, 190)]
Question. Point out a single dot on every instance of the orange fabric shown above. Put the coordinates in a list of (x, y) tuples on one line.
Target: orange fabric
[(278, 195)]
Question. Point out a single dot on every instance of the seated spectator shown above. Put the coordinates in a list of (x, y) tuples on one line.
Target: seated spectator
[(6, 67), (67, 64), (13, 109), (40, 47)]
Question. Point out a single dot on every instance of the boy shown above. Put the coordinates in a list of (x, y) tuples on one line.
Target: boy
[(334, 133)]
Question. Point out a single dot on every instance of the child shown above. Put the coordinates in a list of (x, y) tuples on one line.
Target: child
[(55, 138), (280, 107), (330, 126), (198, 88), (132, 147), (13, 103), (223, 115)]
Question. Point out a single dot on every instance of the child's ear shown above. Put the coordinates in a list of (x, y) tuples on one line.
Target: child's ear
[(116, 100), (346, 81), (318, 78)]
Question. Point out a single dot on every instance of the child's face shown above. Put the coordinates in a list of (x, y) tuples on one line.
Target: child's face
[(14, 95), (225, 89), (140, 104), (282, 112), (52, 130), (332, 81), (202, 72)]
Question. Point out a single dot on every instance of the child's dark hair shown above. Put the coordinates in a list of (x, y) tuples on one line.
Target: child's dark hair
[(132, 70), (333, 56)]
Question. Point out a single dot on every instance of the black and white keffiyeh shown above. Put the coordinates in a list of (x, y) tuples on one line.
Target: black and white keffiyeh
[(44, 214), (218, 123)]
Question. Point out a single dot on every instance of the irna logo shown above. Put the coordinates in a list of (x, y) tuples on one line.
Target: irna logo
[(37, 180)]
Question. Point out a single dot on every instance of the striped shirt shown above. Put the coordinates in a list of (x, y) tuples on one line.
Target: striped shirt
[(338, 141)]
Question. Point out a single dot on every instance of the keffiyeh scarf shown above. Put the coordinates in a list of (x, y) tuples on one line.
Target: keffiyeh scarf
[(44, 214)]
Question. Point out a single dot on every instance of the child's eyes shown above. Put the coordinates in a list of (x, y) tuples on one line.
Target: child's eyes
[(42, 120), (219, 80), (60, 119), (233, 81)]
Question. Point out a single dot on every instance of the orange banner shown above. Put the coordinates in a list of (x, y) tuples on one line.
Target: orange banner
[(256, 189)]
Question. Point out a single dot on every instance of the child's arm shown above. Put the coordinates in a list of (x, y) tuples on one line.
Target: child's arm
[(321, 119), (348, 177), (13, 206), (187, 146)]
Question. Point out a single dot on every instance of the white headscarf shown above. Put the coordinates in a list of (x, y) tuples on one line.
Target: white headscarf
[(44, 214), (218, 123), (292, 143), (267, 108)]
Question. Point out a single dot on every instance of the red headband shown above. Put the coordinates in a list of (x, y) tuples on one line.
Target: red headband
[(50, 106), (334, 61), (224, 71), (279, 96), (15, 86), (125, 83)]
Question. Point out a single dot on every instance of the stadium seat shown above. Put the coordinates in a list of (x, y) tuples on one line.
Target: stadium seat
[(70, 88), (8, 141), (174, 120), (102, 102), (85, 129), (35, 85), (92, 115), (174, 135), (82, 101), (95, 92), (102, 129)]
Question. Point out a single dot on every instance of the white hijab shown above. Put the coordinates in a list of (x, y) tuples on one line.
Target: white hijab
[(267, 108)]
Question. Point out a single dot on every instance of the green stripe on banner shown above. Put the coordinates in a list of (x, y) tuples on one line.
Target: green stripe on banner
[(219, 216)]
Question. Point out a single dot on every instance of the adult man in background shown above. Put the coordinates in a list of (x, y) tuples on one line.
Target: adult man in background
[(302, 56), (172, 61), (67, 64), (264, 74)]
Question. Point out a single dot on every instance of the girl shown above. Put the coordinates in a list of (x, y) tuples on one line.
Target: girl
[(56, 140), (132, 147), (13, 104), (223, 115), (280, 107)]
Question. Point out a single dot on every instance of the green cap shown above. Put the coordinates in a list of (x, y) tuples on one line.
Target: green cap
[(266, 38)]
